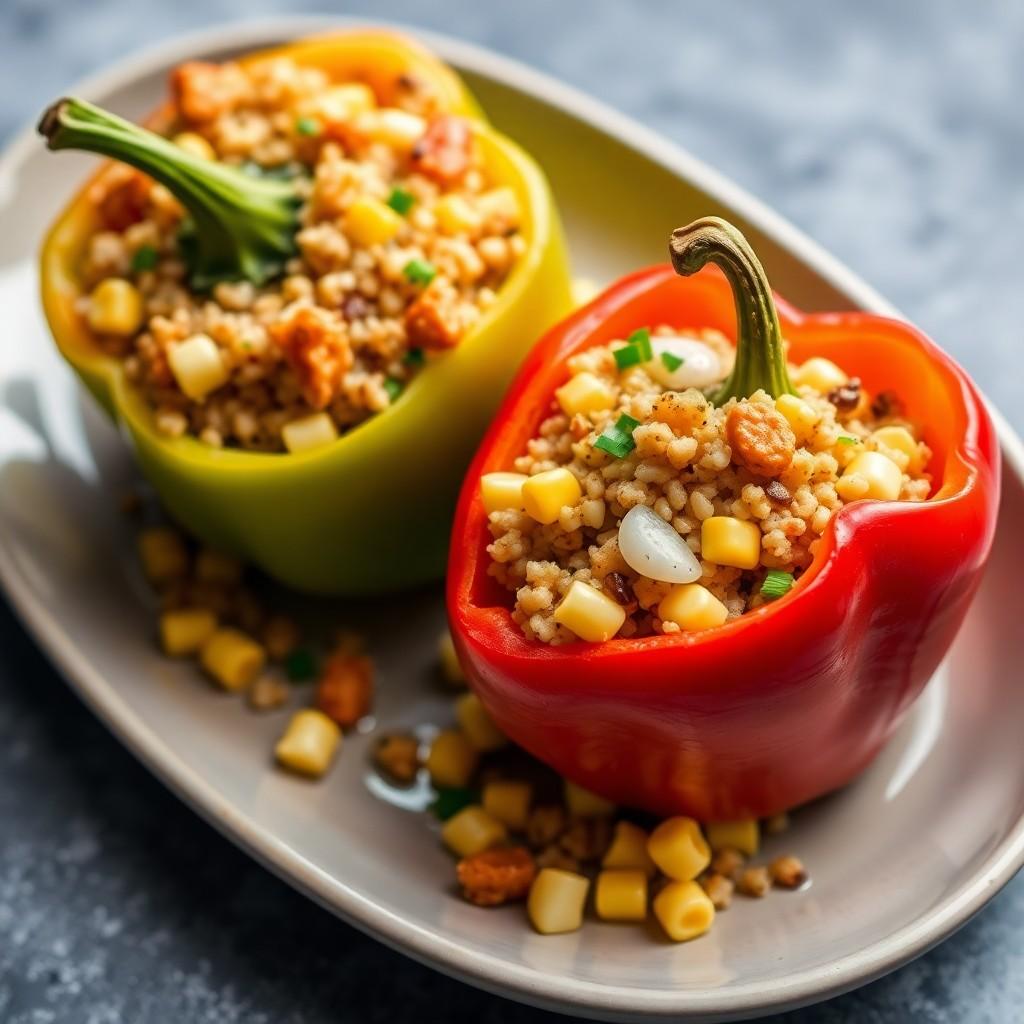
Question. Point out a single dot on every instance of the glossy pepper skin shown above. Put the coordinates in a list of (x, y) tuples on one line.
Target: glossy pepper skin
[(791, 700), (372, 511)]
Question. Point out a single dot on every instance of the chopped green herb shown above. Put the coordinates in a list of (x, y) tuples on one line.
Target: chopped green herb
[(419, 271), (671, 362), (307, 126), (401, 201), (144, 259), (393, 387), (846, 439), (450, 800), (414, 357), (300, 665), (636, 350), (618, 440), (776, 584)]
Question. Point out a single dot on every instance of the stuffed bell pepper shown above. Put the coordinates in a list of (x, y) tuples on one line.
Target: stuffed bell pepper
[(303, 293), (712, 547)]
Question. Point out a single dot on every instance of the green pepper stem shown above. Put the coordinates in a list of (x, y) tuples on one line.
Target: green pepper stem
[(244, 227), (760, 355)]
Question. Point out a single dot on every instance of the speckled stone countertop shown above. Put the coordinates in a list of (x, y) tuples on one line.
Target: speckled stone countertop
[(890, 132)]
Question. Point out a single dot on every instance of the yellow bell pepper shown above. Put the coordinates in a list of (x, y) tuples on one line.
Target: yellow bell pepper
[(371, 511)]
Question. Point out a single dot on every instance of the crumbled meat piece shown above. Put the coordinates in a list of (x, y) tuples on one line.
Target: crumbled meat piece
[(493, 877), (847, 397), (777, 493), (345, 689), (316, 346), (683, 411), (398, 756), (760, 438), (754, 882), (719, 890), (444, 152), (203, 91), (727, 862), (788, 872), (431, 322), (125, 195)]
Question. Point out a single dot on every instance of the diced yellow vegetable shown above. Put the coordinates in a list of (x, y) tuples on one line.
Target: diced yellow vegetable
[(726, 540), (500, 205), (545, 494), (581, 803), (735, 835), (684, 910), (197, 365), (628, 849), (163, 555), (452, 759), (455, 216), (313, 431), (821, 374), (477, 725), (217, 567), (509, 802), (800, 415), (585, 392), (195, 145), (370, 222), (590, 614), (621, 895), (309, 743), (391, 126), (900, 441), (339, 104), (692, 606), (115, 307), (883, 477), (185, 630), (502, 490), (556, 901), (232, 658), (471, 831), (679, 849), (449, 659)]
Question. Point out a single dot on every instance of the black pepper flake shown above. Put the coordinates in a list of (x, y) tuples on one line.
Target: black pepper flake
[(886, 403), (618, 588), (777, 493), (846, 398)]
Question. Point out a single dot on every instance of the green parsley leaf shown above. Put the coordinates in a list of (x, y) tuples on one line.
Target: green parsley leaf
[(636, 350), (414, 357), (307, 126), (144, 259), (300, 665), (419, 271), (617, 440), (452, 799), (776, 584), (401, 201), (671, 362), (393, 387), (846, 439)]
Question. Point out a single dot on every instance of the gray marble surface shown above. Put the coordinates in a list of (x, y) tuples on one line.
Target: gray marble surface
[(890, 132)]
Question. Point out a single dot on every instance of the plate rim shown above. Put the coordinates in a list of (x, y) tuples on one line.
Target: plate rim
[(477, 967)]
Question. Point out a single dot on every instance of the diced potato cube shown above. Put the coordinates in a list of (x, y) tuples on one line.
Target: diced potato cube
[(684, 910), (502, 490), (509, 802), (313, 431), (692, 606), (477, 725), (233, 659), (471, 831), (585, 392), (821, 374), (370, 222), (581, 803), (163, 555), (883, 477), (185, 630), (455, 216), (899, 442), (734, 835), (545, 494), (556, 901), (679, 849), (197, 365), (592, 615), (621, 895), (195, 145), (449, 659), (115, 307), (452, 759), (391, 126), (309, 743), (628, 849), (800, 416), (726, 540)]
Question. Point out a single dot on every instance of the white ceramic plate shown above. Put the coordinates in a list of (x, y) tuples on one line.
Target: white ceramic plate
[(899, 859)]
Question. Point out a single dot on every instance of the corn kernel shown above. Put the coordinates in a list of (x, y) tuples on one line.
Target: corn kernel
[(900, 441), (115, 307), (545, 494), (185, 630), (585, 392), (502, 490), (370, 222), (684, 910), (452, 759), (882, 475), (725, 540), (821, 374), (163, 555), (339, 104), (733, 835), (232, 658), (679, 849), (449, 659), (509, 802), (556, 901), (499, 205), (477, 725), (692, 606), (620, 894), (217, 567), (455, 216), (471, 831), (310, 432), (309, 743), (195, 145), (590, 614), (581, 803), (800, 415), (393, 127), (197, 365), (628, 849)]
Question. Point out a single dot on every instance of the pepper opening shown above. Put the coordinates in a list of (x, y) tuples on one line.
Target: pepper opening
[(242, 227), (760, 355)]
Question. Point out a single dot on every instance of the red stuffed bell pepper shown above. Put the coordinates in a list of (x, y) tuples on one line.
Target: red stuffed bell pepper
[(786, 699)]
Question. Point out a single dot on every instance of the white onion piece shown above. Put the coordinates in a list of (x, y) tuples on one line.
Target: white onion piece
[(651, 547), (700, 367)]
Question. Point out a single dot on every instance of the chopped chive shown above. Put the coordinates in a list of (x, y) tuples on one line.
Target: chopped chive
[(642, 339), (300, 665), (617, 440), (144, 259), (846, 439), (401, 200), (414, 357), (452, 799), (626, 357), (776, 584), (307, 126), (393, 387), (671, 362), (419, 271), (636, 350)]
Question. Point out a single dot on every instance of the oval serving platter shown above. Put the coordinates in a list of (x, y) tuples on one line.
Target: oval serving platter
[(898, 860)]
